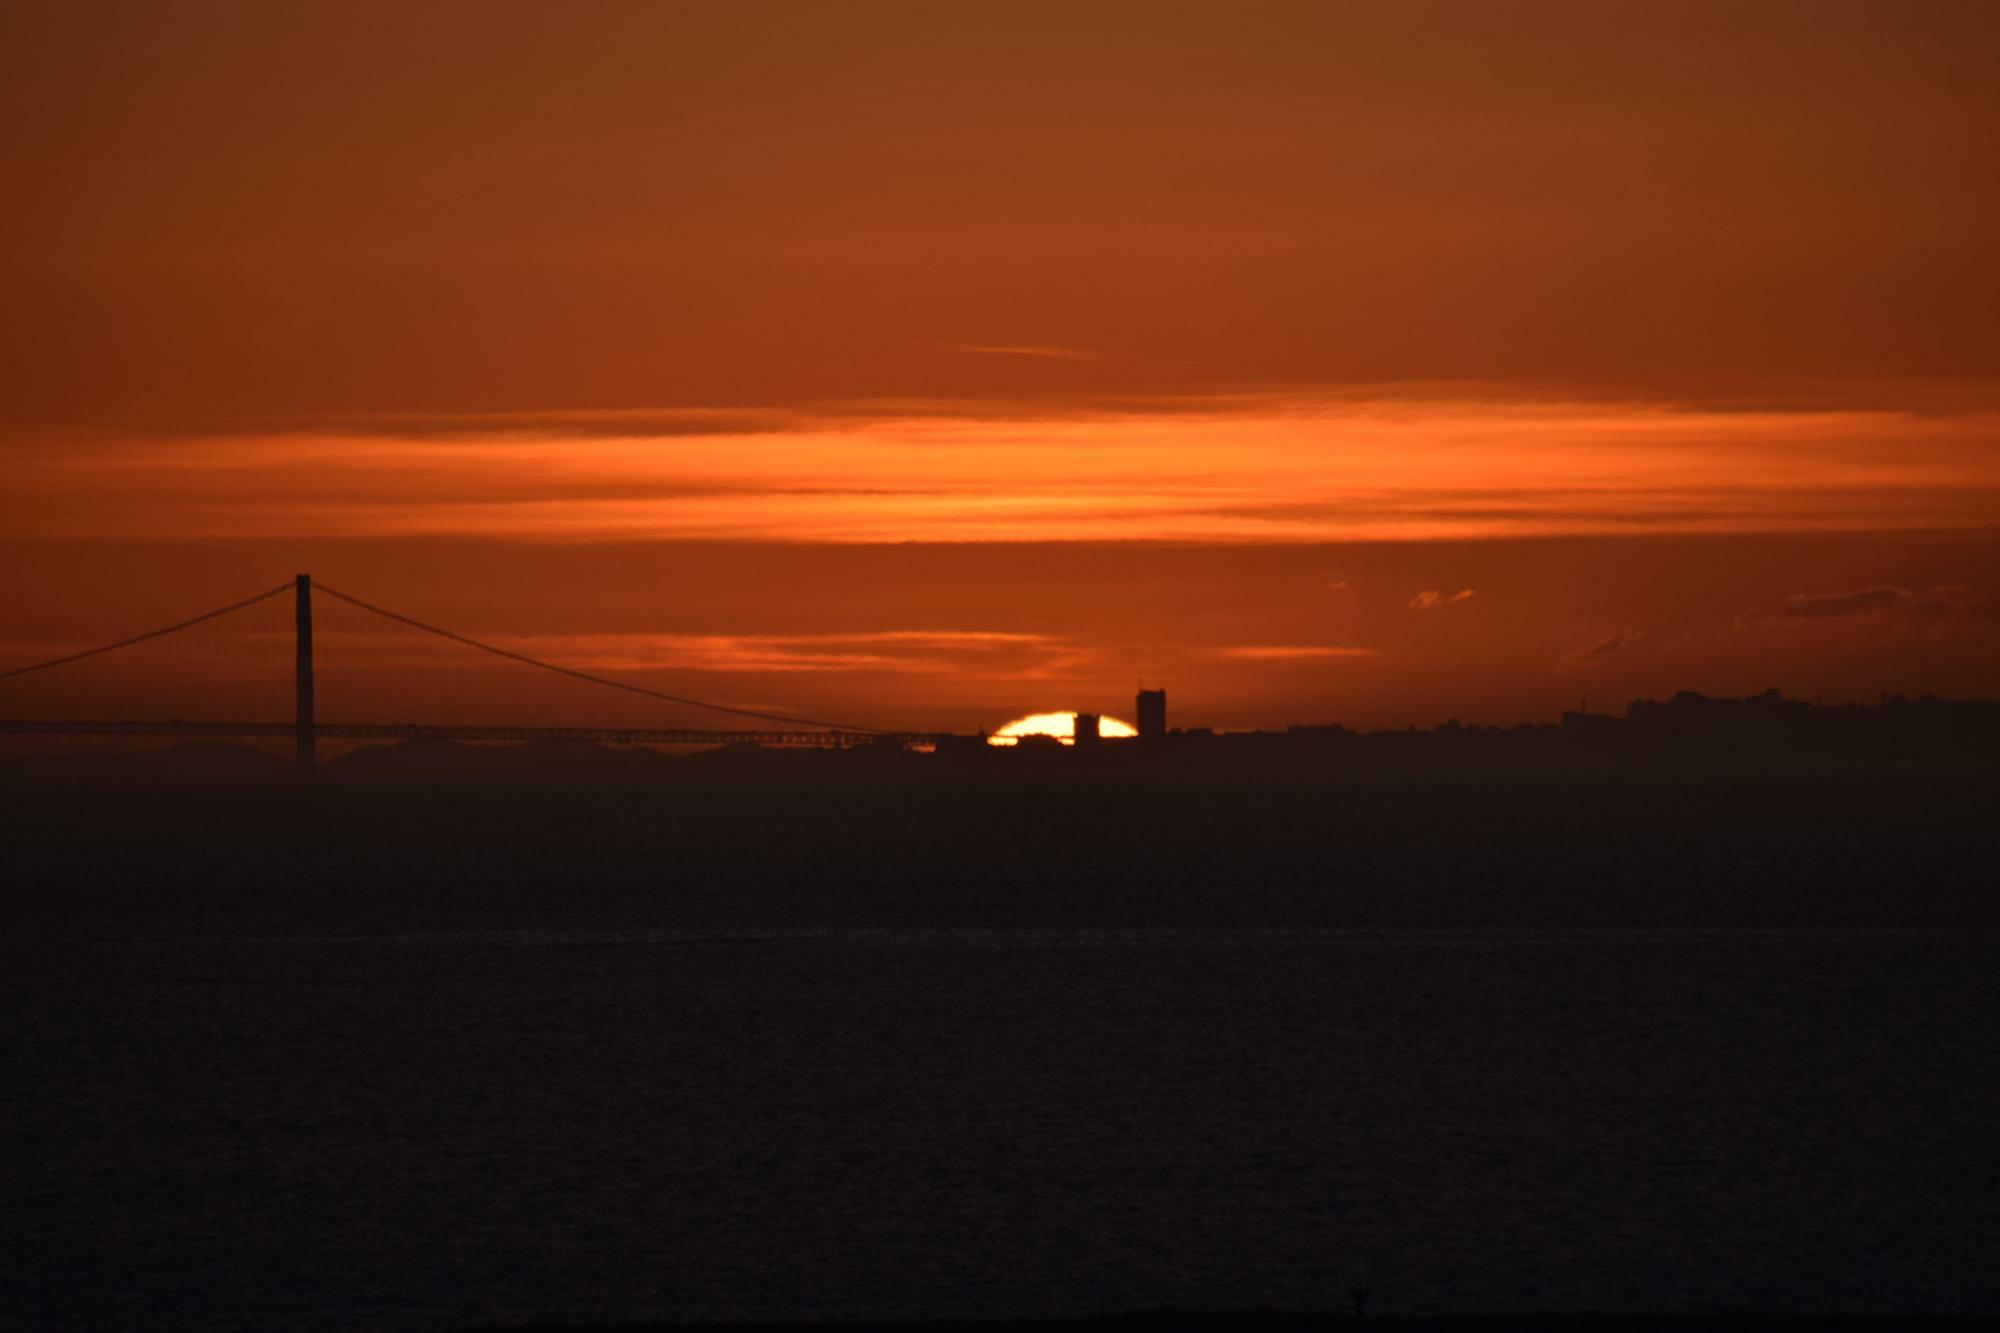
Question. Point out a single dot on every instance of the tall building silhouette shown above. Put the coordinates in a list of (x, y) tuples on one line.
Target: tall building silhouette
[(1152, 709), (1087, 733)]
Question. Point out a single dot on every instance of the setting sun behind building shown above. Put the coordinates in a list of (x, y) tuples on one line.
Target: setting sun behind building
[(1062, 726)]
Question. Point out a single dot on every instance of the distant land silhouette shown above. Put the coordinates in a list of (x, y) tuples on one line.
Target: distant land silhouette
[(1689, 727), (1274, 1321), (1763, 728)]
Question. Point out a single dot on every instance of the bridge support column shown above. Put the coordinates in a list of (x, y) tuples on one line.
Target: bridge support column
[(305, 731)]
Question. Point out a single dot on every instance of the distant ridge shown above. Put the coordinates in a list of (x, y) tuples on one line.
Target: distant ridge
[(1266, 1321), (1767, 730), (432, 760), (195, 761)]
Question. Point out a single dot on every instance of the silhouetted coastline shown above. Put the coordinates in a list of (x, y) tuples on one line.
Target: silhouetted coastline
[(1689, 728), (1273, 1321)]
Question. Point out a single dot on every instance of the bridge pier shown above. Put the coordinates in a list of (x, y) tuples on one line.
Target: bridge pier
[(305, 731)]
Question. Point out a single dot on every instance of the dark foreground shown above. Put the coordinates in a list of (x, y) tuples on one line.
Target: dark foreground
[(729, 1046)]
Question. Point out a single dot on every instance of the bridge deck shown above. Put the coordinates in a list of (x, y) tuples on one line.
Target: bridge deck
[(374, 731)]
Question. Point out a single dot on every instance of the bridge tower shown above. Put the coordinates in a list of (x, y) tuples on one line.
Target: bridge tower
[(305, 731)]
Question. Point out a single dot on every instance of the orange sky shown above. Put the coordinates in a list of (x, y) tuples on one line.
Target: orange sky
[(948, 362)]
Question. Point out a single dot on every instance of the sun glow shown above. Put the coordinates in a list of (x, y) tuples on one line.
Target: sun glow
[(1062, 726)]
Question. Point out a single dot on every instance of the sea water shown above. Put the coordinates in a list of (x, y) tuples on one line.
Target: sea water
[(426, 1129)]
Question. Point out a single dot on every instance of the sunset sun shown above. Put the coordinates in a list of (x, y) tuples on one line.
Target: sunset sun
[(1062, 726)]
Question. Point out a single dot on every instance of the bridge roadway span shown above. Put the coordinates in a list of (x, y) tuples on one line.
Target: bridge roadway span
[(372, 731)]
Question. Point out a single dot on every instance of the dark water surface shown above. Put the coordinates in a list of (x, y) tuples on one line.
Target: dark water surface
[(406, 1111)]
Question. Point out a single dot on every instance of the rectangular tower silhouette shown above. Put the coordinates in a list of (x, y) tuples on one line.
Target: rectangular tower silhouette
[(1152, 710)]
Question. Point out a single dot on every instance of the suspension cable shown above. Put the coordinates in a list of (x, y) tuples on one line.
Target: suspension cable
[(585, 675), (150, 634)]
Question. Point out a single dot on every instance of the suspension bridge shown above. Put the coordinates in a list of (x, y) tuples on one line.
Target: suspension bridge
[(306, 729)]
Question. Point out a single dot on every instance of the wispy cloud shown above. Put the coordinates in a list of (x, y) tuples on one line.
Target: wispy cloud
[(1598, 653), (1287, 652), (1224, 469), (1430, 599), (896, 651), (1831, 605), (1938, 606), (1031, 351)]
